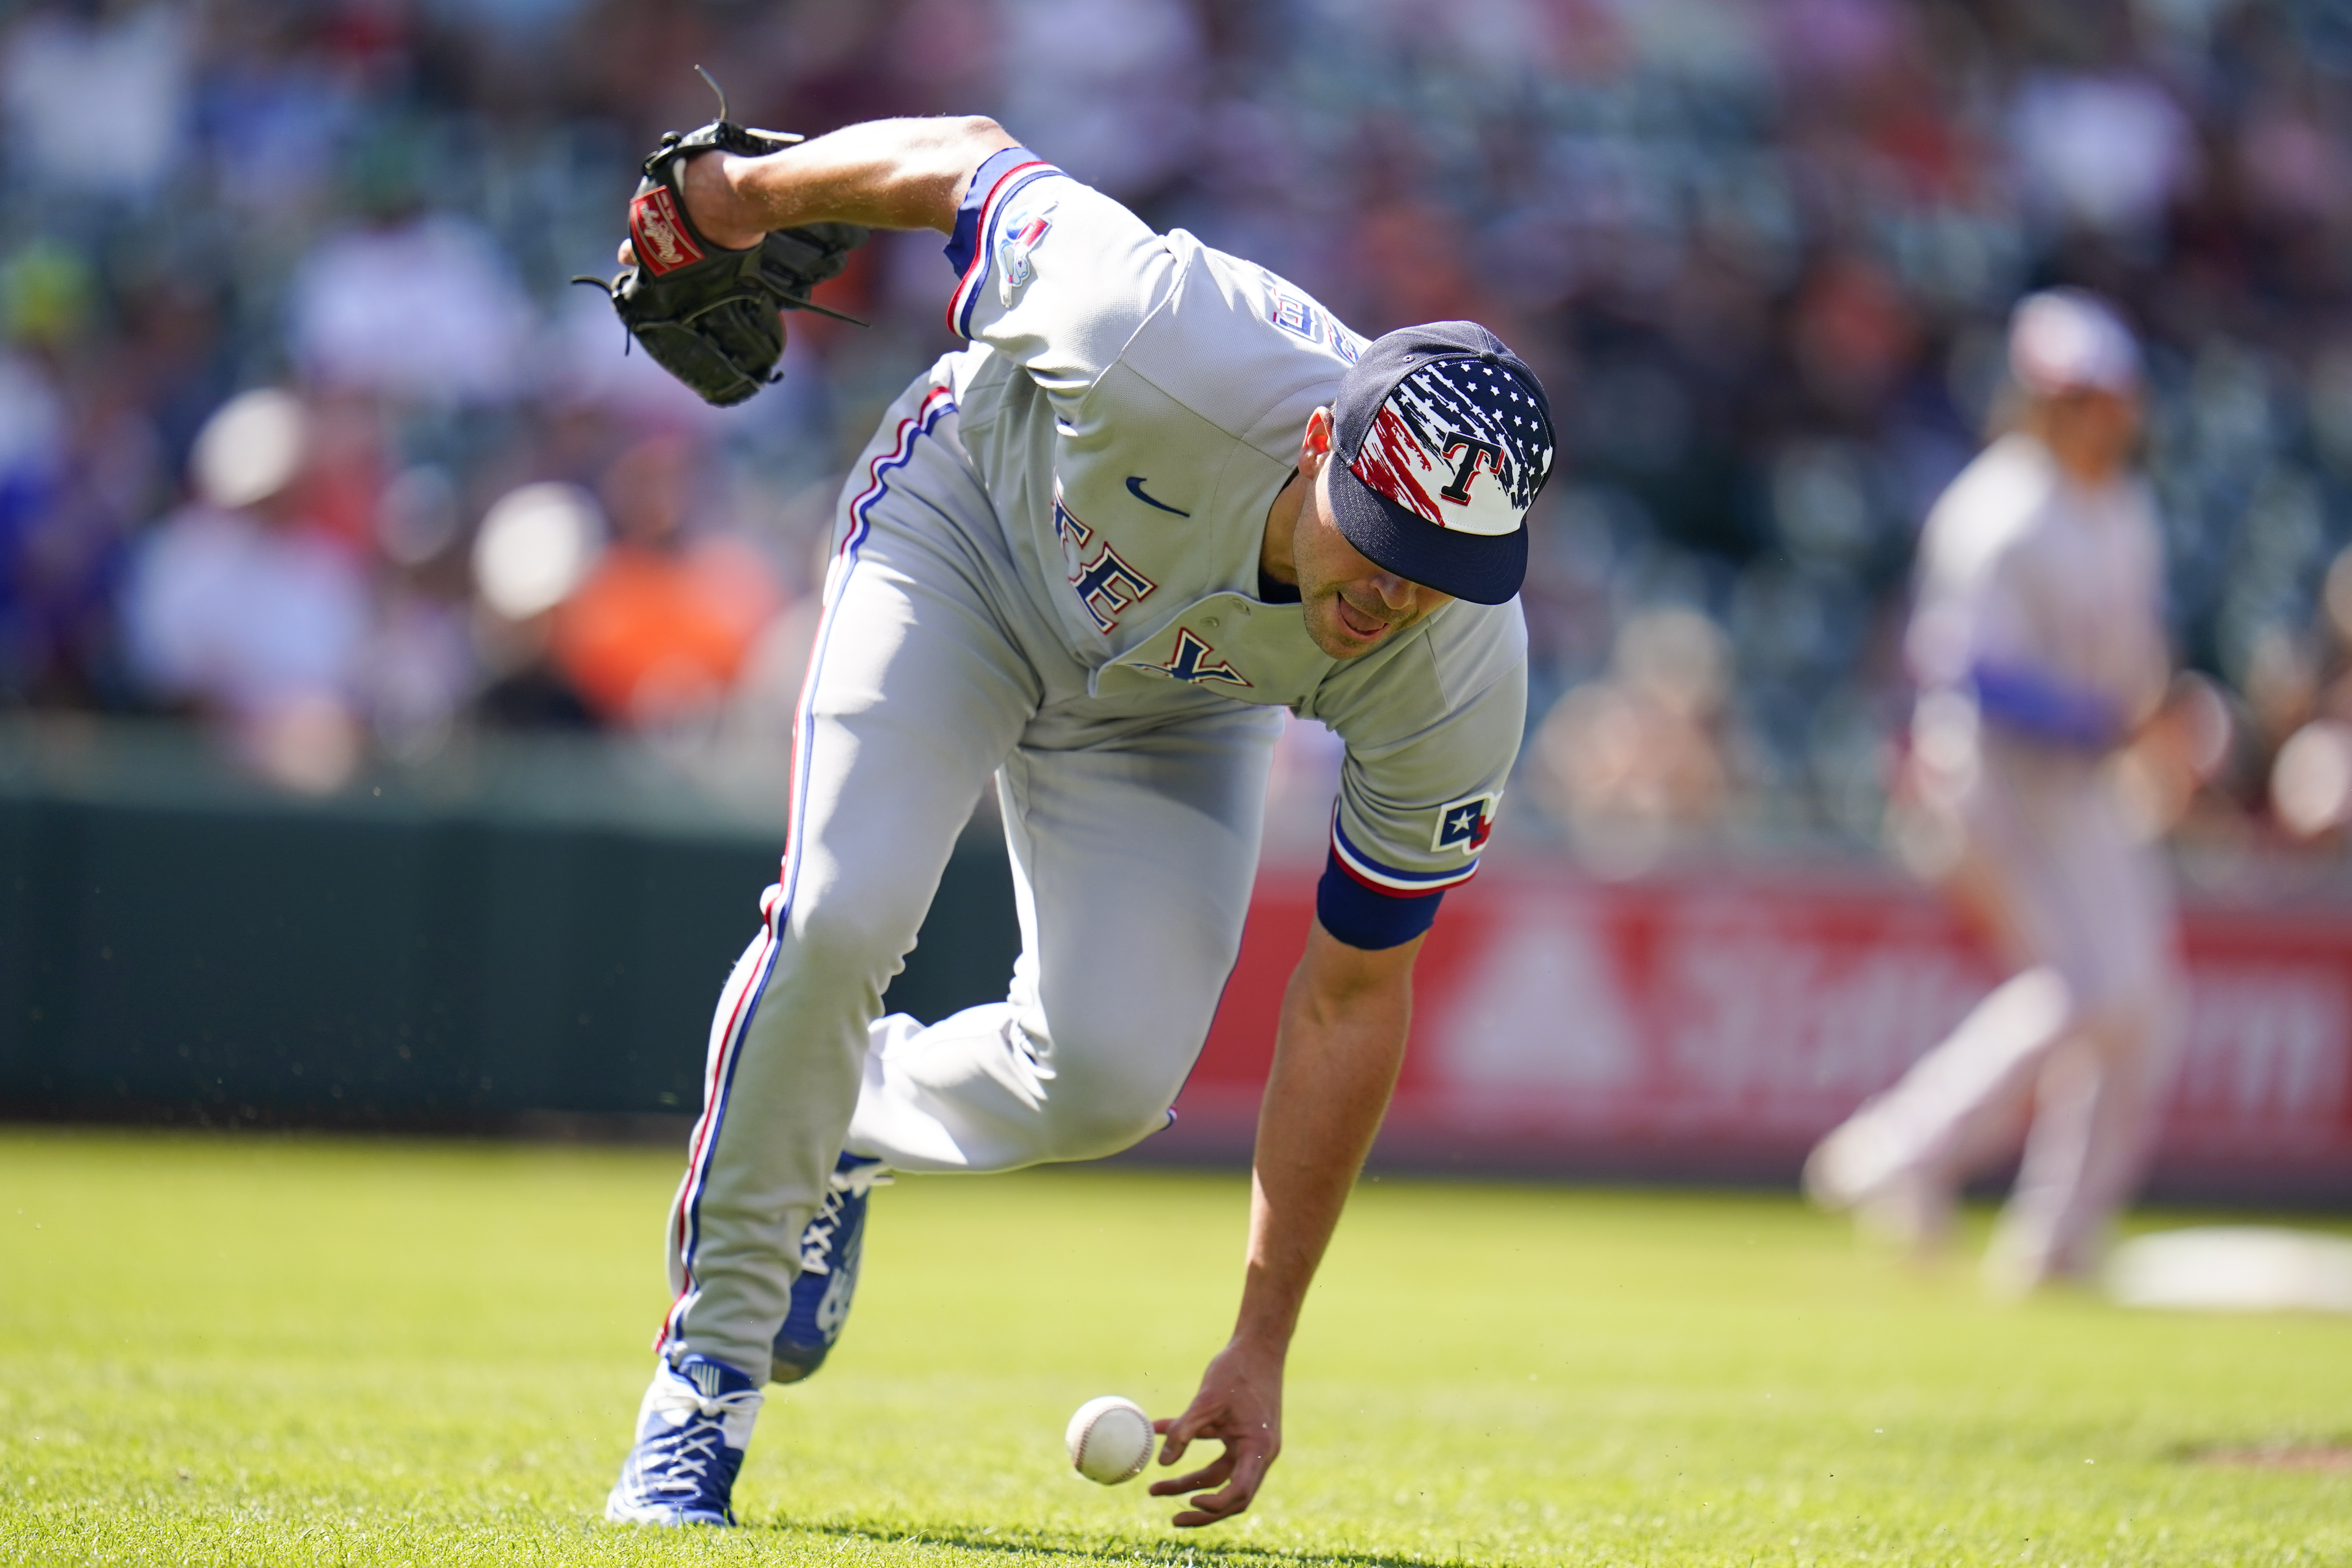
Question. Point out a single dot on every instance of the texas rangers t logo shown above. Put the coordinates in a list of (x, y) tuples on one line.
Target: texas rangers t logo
[(1465, 824), (1189, 663), (1478, 452)]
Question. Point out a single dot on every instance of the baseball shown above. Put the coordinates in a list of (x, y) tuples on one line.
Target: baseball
[(1109, 1439)]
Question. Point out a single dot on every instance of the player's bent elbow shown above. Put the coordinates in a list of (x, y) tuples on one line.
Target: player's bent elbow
[(978, 128), (969, 140)]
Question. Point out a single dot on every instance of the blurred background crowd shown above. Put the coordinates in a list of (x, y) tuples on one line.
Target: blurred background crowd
[(303, 429)]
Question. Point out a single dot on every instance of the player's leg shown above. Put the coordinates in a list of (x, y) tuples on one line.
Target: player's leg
[(1133, 860), (915, 693), (2099, 1098), (1899, 1161)]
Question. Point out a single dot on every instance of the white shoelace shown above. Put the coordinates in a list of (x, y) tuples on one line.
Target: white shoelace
[(677, 1461), (843, 1186)]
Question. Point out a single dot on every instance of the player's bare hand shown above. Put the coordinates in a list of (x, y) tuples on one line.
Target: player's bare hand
[(715, 206), (1240, 1405)]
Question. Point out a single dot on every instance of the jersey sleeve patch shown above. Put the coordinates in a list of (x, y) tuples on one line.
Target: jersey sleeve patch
[(1016, 243), (1463, 825), (972, 249)]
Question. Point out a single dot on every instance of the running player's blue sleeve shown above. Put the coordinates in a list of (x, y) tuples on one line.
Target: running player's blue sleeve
[(1051, 272), (2036, 702)]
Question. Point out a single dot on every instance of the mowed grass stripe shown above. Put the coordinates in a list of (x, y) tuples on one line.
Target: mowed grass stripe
[(261, 1350)]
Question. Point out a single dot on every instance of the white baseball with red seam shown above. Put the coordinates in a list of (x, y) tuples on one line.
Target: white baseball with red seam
[(1109, 1439)]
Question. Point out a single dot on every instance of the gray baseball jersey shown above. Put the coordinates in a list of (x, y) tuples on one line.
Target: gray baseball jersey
[(1134, 403), (2034, 587)]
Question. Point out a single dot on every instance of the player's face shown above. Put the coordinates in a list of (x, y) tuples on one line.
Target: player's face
[(2092, 433), (1351, 604)]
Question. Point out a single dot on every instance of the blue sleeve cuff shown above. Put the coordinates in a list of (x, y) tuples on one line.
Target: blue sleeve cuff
[(1367, 917), (2030, 702), (964, 243)]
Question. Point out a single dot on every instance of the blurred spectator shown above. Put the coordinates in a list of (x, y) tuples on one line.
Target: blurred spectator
[(2311, 778), (662, 624), (537, 544), (417, 306), (239, 608), (73, 68), (2108, 151), (1108, 89), (1632, 762), (32, 454), (421, 666)]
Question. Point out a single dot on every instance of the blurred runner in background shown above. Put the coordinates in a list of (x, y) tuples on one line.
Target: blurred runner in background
[(2039, 645)]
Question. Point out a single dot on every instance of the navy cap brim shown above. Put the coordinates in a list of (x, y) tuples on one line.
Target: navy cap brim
[(1482, 569)]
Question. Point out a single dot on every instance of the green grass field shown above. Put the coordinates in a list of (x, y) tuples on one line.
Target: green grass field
[(268, 1350)]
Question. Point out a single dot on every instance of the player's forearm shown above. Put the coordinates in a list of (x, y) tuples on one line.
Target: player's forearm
[(883, 174), (1337, 1054)]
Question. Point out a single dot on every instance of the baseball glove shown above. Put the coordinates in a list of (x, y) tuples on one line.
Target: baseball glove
[(710, 315)]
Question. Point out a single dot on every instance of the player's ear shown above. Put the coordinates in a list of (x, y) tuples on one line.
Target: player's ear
[(1315, 446)]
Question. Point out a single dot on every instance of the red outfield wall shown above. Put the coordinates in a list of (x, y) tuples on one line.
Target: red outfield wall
[(1717, 1029)]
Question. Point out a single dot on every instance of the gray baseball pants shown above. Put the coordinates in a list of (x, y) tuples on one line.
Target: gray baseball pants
[(2084, 1037), (1133, 829)]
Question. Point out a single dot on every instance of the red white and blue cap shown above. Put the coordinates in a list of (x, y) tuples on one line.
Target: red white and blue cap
[(1443, 440)]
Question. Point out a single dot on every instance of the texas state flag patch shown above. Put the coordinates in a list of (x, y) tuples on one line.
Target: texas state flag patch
[(1465, 824)]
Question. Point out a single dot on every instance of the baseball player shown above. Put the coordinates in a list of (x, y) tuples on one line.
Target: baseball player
[(1161, 495), (2039, 645)]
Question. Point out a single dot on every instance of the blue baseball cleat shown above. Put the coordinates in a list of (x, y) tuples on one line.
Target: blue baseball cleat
[(691, 1430), (831, 1247)]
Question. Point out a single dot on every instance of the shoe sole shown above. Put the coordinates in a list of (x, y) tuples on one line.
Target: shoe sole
[(666, 1518)]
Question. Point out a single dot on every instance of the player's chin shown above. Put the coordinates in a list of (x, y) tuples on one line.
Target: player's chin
[(1338, 640)]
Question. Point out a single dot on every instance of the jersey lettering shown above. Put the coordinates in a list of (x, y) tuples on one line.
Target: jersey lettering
[(1109, 586), (1074, 534), (1190, 662), (1293, 314)]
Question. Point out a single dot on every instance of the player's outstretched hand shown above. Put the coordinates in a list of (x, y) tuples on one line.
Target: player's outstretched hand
[(1240, 1405)]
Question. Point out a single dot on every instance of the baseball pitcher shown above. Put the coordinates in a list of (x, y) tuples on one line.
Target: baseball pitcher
[(2039, 645), (1161, 495)]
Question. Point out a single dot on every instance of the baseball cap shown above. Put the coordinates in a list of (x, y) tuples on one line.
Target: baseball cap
[(1441, 441), (2070, 339)]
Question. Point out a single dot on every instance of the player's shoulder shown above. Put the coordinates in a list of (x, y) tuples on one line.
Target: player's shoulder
[(1990, 508), (1466, 657), (1242, 346)]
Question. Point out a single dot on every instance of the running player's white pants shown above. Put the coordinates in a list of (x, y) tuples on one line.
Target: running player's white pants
[(2084, 1037), (1133, 827)]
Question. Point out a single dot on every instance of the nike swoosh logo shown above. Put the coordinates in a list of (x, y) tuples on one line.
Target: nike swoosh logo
[(1135, 488)]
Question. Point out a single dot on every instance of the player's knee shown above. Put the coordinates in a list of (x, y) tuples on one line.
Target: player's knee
[(1099, 1106), (2125, 1013), (852, 933)]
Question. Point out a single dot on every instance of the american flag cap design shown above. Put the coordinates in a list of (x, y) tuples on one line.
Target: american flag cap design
[(1442, 441)]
